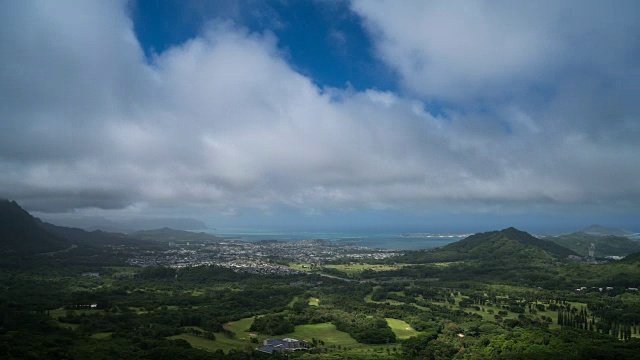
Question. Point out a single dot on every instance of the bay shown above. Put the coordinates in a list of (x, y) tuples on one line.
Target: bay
[(371, 240)]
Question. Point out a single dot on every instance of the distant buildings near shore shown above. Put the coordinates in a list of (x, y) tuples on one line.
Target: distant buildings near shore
[(283, 345), (436, 236)]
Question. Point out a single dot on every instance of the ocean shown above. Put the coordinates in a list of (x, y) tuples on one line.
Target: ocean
[(372, 240)]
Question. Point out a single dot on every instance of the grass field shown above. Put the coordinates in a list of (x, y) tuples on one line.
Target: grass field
[(221, 342), (240, 327), (486, 316), (326, 332), (314, 301), (301, 266), (356, 268), (401, 329), (124, 270)]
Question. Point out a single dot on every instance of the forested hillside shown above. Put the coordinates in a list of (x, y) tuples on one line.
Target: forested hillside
[(508, 245), (605, 245), (20, 233)]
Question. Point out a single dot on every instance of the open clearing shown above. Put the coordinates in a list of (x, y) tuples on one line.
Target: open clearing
[(314, 301), (326, 332), (357, 268), (221, 342), (240, 327), (401, 329)]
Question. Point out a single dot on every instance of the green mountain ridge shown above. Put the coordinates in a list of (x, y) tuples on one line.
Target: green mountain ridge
[(507, 245), (96, 237), (605, 245), (631, 259), (167, 234), (20, 233), (506, 242)]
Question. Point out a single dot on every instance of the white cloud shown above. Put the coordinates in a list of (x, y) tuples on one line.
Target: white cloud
[(456, 50), (224, 121)]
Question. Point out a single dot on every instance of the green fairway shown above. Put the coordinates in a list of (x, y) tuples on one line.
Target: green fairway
[(240, 327), (240, 341), (124, 271), (221, 342), (401, 329), (357, 268), (301, 266), (326, 332), (314, 301)]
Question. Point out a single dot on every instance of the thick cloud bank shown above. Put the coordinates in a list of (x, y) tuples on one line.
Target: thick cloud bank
[(541, 108)]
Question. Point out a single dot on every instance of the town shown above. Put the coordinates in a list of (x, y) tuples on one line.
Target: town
[(263, 257)]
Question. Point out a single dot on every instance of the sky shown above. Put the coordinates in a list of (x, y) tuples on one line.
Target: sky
[(324, 115)]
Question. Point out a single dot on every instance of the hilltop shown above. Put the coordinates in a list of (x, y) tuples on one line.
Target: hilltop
[(508, 244), (20, 233), (505, 242)]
